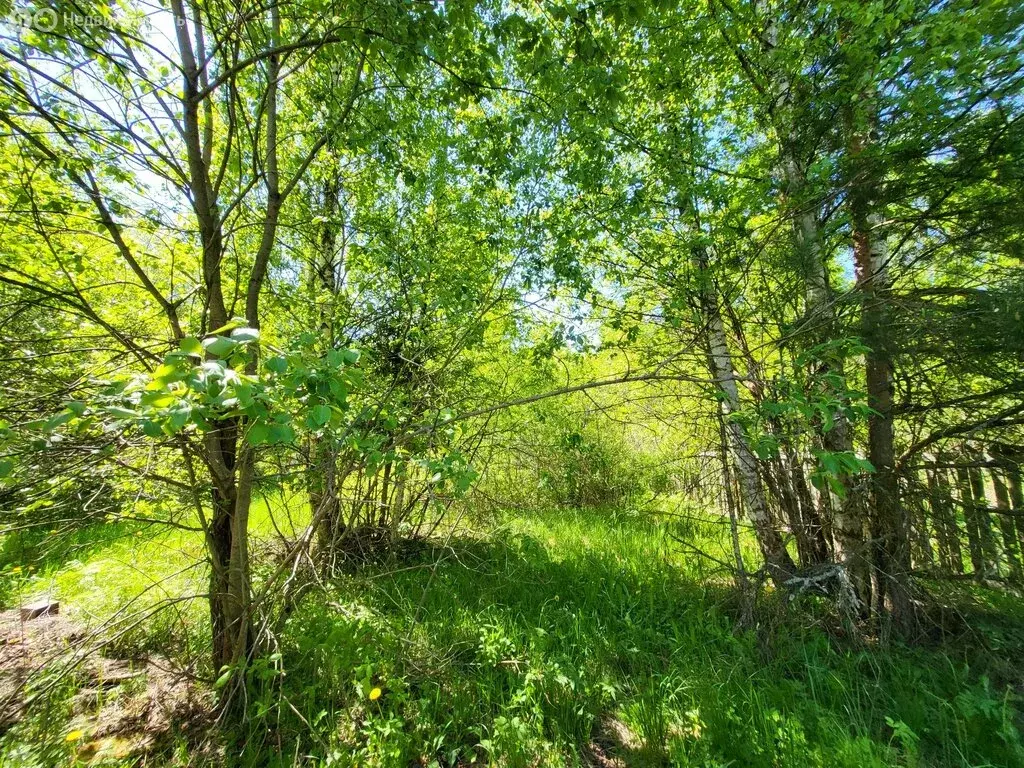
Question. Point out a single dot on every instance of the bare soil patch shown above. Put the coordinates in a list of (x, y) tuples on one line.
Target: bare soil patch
[(122, 707)]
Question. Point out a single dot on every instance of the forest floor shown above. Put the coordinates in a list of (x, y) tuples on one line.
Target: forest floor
[(566, 638), (119, 708)]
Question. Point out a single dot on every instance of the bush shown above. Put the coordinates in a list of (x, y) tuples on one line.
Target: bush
[(567, 460)]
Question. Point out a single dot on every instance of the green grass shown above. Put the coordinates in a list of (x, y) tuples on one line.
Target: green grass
[(525, 640), (522, 646), (114, 575)]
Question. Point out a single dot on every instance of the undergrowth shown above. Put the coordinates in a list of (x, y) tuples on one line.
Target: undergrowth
[(573, 637)]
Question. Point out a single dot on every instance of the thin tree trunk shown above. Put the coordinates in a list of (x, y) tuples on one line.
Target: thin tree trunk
[(1016, 500), (324, 281), (398, 511), (778, 490), (778, 562), (810, 513), (742, 580), (385, 494), (230, 463), (230, 587), (848, 522), (969, 506), (986, 536), (924, 554), (888, 519), (324, 504), (945, 520)]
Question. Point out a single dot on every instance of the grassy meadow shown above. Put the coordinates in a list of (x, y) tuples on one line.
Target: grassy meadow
[(566, 638)]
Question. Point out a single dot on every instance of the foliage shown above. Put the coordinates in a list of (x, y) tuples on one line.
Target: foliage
[(305, 291)]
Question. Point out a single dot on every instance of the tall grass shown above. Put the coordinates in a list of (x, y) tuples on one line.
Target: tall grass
[(560, 635), (565, 629)]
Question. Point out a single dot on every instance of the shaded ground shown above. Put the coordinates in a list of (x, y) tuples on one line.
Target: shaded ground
[(26, 647), (120, 708), (613, 745)]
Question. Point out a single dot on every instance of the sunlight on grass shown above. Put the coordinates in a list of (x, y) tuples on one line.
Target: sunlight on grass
[(554, 636), (128, 580)]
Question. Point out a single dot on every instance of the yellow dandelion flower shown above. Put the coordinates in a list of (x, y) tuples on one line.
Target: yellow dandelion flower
[(74, 736), (375, 694), (16, 569)]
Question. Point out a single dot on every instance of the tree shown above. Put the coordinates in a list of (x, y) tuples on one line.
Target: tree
[(210, 141)]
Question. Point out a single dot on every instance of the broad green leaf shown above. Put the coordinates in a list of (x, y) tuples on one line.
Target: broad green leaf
[(282, 433), (191, 346), (276, 364), (121, 413), (320, 414), (220, 346), (258, 434), (59, 420), (245, 335), (230, 325)]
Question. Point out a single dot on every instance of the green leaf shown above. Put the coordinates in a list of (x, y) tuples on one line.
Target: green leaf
[(59, 420), (235, 322), (157, 399), (243, 392), (225, 677), (245, 335), (121, 413), (320, 414), (166, 372), (282, 433), (276, 364), (191, 346), (179, 417), (258, 434), (152, 429), (339, 390), (220, 346)]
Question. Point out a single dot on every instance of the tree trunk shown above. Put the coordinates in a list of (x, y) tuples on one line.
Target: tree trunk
[(810, 512), (779, 491), (989, 552), (888, 519), (398, 510), (1017, 501), (847, 522), (945, 520), (324, 281), (385, 497), (742, 580), (324, 504), (924, 554), (229, 460), (230, 584), (969, 505), (778, 562)]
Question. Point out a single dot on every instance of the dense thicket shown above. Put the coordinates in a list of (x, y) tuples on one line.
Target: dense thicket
[(763, 256)]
